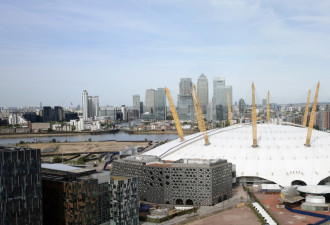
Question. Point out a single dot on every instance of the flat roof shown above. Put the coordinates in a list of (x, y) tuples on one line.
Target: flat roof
[(64, 168)]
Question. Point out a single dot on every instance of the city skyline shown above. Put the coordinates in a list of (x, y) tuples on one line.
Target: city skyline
[(54, 50)]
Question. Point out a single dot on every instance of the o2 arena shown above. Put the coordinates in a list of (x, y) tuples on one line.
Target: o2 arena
[(262, 153), (281, 156)]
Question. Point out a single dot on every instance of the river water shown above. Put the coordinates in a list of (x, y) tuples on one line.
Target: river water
[(121, 136)]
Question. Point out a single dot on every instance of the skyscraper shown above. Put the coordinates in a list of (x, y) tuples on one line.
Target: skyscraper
[(136, 103), (185, 101), (203, 91), (150, 100), (93, 106), (160, 104), (59, 113), (241, 106), (220, 98), (85, 104)]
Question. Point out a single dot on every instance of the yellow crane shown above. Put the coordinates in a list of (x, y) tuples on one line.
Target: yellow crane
[(254, 119), (174, 114), (229, 110), (199, 115), (306, 109), (312, 117), (268, 109)]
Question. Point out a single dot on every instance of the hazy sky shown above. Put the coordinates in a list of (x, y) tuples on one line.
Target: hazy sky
[(50, 51)]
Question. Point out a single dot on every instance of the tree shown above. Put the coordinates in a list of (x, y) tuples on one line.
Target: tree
[(81, 161), (89, 139), (53, 140), (57, 159)]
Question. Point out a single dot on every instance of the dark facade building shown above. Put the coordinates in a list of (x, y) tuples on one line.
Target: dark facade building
[(184, 182), (20, 186), (70, 116), (70, 195), (48, 114), (58, 113), (32, 117), (124, 198)]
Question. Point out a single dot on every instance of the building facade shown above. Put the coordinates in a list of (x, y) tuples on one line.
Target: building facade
[(93, 106), (185, 102), (136, 103), (184, 182), (150, 101), (160, 104), (124, 198), (85, 104), (220, 98), (203, 92), (20, 186)]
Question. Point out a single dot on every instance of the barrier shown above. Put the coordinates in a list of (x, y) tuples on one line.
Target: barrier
[(324, 217)]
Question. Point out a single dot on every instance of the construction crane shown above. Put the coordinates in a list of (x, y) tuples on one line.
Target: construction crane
[(199, 115), (312, 117), (268, 109), (229, 110), (174, 114), (306, 109), (254, 119)]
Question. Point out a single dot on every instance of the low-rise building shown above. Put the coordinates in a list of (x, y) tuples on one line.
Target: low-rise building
[(183, 182)]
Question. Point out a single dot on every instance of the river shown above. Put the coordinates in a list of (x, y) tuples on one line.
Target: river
[(121, 136)]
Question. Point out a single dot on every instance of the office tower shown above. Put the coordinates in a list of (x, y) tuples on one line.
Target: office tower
[(20, 186), (203, 91), (241, 106), (124, 200), (48, 114), (220, 98), (150, 100), (141, 108), (160, 104), (59, 113), (40, 107), (93, 106), (185, 101), (13, 118), (124, 113), (136, 104), (85, 104)]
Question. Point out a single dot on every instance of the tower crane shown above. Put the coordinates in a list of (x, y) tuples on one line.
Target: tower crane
[(175, 114)]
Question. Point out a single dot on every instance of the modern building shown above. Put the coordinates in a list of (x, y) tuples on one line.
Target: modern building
[(203, 91), (20, 186), (71, 195), (124, 200), (48, 114), (150, 100), (181, 182), (220, 98), (185, 102), (124, 112), (58, 113), (241, 106), (93, 106), (136, 103), (141, 108), (85, 104), (281, 156), (160, 104)]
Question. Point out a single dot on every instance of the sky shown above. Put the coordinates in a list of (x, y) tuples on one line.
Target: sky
[(50, 51)]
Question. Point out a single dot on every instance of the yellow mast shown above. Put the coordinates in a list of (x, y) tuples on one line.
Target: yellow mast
[(312, 117), (174, 114), (268, 109), (254, 118), (229, 110), (199, 115), (306, 109)]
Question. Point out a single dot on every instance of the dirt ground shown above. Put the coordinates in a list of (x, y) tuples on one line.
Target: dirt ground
[(238, 216), (284, 216), (84, 147)]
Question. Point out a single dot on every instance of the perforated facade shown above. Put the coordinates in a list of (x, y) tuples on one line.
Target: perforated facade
[(184, 182)]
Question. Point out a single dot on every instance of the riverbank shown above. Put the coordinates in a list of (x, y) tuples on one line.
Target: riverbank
[(61, 134), (56, 134)]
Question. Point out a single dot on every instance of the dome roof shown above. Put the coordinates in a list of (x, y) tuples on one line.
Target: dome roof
[(281, 156)]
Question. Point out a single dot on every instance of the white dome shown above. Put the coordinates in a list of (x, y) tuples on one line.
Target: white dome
[(281, 156)]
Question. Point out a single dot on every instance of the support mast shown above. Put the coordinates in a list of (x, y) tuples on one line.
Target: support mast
[(312, 117)]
